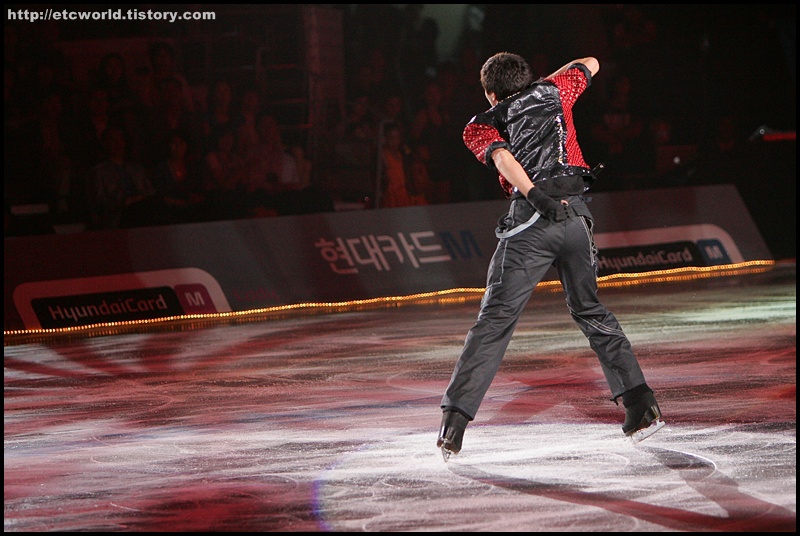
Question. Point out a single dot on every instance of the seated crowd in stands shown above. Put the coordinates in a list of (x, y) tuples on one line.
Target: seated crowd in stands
[(116, 153), (119, 155)]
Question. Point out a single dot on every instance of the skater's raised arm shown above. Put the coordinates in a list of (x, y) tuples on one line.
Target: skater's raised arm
[(589, 62)]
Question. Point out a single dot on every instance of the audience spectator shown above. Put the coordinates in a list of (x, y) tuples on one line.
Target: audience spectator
[(305, 198), (395, 170), (111, 78), (163, 66), (269, 166), (433, 127), (179, 185), (374, 77), (124, 107), (170, 115), (359, 124), (274, 180), (223, 166), (219, 112), (246, 121), (121, 193), (392, 109), (223, 171), (305, 167), (280, 174), (91, 122), (352, 148)]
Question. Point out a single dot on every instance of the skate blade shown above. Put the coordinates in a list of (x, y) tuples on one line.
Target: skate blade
[(644, 433), (446, 454)]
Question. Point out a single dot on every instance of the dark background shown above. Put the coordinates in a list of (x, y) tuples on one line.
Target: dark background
[(691, 66)]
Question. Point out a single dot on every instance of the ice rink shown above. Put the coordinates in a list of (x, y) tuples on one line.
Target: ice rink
[(328, 422)]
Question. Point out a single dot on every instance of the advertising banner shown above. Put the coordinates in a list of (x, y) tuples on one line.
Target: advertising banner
[(70, 280)]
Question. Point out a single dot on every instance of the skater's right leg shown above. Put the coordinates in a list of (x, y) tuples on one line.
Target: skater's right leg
[(642, 414), (451, 432), (516, 268), (487, 341)]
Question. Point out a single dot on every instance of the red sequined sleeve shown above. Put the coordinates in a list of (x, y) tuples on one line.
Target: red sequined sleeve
[(483, 140), (479, 138), (571, 84)]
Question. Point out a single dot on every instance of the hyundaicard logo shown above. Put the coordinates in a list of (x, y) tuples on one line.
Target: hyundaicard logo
[(85, 309)]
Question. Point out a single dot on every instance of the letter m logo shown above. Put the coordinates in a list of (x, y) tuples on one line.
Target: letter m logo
[(195, 299), (464, 248), (713, 252)]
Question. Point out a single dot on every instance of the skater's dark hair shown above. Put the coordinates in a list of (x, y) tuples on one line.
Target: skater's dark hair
[(505, 74)]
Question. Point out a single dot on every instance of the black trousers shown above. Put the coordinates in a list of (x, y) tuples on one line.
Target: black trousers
[(519, 263)]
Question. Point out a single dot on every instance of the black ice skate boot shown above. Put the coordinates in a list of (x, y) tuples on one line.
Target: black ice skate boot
[(642, 414), (451, 434)]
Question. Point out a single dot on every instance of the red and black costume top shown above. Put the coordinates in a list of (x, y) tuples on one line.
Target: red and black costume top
[(536, 126)]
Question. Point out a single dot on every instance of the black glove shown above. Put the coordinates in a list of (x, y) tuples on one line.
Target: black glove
[(546, 205)]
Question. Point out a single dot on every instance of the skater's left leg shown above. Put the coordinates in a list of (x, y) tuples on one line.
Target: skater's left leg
[(578, 272), (577, 269)]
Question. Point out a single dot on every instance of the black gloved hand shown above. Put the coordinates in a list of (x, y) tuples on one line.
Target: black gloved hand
[(546, 205)]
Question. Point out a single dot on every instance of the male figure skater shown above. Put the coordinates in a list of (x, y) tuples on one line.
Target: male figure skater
[(529, 138)]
